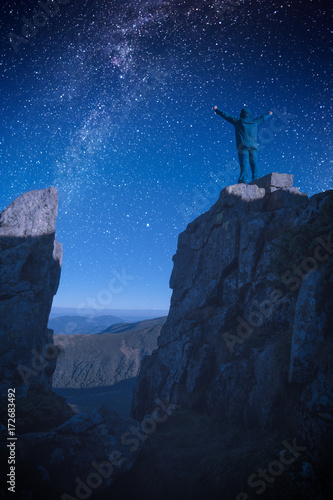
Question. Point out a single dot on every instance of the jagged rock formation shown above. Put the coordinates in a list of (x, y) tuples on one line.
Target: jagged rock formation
[(248, 338), (30, 263), (103, 360)]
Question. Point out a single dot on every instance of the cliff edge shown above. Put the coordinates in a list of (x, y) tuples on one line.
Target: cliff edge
[(30, 265), (248, 339)]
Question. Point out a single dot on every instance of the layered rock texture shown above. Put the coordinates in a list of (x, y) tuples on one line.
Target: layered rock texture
[(30, 263), (249, 335)]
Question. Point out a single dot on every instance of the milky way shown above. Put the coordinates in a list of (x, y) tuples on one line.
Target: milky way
[(111, 102)]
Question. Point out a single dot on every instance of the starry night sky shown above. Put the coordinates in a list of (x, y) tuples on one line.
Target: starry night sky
[(111, 102)]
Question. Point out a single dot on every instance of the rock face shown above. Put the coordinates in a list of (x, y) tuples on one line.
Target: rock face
[(249, 332), (103, 360), (30, 263)]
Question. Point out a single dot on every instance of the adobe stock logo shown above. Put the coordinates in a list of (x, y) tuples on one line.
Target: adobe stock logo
[(49, 8)]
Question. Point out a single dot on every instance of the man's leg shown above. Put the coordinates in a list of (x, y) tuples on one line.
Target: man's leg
[(243, 157), (254, 164)]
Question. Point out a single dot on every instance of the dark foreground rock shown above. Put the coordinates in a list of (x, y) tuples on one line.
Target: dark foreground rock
[(79, 457)]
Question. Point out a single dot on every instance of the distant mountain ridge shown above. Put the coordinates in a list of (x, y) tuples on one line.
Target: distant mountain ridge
[(73, 325), (131, 315), (136, 326)]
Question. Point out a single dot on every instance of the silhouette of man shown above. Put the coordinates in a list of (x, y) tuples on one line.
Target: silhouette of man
[(246, 139)]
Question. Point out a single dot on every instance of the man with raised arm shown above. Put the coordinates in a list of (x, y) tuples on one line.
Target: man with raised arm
[(246, 139)]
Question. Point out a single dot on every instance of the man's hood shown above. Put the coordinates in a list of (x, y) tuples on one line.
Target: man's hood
[(245, 113)]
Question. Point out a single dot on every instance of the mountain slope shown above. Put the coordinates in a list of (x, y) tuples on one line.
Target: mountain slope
[(142, 326), (103, 360)]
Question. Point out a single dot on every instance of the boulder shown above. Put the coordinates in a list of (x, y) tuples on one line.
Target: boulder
[(274, 180)]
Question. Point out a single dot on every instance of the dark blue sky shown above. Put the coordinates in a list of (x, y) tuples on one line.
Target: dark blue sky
[(111, 102)]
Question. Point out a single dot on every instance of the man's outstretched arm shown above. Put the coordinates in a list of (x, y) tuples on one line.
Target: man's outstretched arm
[(263, 118), (226, 116)]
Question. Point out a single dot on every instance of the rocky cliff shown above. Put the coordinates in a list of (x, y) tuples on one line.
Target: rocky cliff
[(30, 263), (51, 453), (248, 339)]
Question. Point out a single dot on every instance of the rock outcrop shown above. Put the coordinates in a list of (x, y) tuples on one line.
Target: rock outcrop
[(249, 335), (30, 263)]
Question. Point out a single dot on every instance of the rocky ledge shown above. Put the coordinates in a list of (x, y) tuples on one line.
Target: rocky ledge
[(249, 335)]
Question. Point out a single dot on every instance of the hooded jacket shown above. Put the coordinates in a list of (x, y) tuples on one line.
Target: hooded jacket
[(245, 127)]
